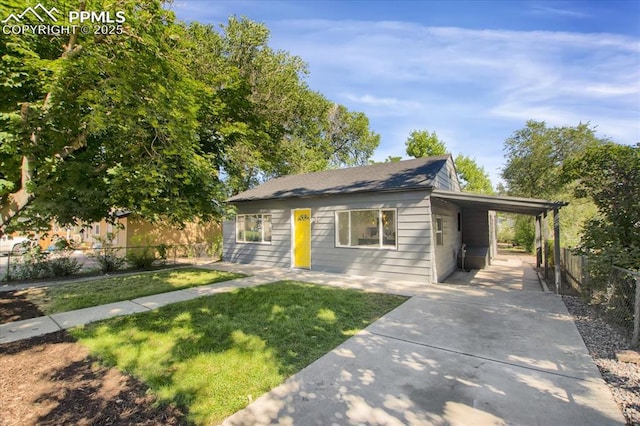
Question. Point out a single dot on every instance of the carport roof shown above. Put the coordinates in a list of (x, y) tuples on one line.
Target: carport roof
[(528, 206)]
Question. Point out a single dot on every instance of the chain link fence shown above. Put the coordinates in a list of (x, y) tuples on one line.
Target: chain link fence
[(619, 302), (34, 262), (615, 295)]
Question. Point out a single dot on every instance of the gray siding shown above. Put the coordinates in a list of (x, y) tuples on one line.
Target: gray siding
[(446, 255), (275, 254), (411, 260), (447, 178)]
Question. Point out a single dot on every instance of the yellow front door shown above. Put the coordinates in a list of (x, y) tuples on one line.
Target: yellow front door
[(302, 238)]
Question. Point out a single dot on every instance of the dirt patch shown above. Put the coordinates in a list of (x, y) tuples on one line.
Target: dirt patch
[(15, 306), (52, 380)]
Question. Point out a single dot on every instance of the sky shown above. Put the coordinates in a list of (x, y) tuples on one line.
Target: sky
[(472, 71)]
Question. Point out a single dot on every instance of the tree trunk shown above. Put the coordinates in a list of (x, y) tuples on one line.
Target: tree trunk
[(17, 201)]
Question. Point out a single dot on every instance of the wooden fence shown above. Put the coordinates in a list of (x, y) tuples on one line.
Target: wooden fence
[(573, 269)]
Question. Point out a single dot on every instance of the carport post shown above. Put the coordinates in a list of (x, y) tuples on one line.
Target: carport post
[(538, 233), (556, 247), (545, 237)]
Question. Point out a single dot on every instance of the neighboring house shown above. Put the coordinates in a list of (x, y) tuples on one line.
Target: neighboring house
[(132, 231), (405, 219)]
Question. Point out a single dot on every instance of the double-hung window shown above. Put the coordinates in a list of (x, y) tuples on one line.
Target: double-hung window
[(439, 231), (253, 228), (375, 228)]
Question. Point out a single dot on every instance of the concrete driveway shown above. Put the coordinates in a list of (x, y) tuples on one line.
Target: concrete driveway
[(453, 355)]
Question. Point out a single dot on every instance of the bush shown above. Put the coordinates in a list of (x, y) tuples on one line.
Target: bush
[(62, 266), (141, 257), (107, 255), (215, 249), (108, 260), (37, 263), (525, 233)]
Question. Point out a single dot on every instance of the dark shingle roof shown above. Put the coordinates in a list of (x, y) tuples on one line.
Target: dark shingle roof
[(398, 176)]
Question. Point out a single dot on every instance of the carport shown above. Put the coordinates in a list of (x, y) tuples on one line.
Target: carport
[(479, 205)]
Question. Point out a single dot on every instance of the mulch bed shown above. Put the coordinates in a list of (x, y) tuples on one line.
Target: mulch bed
[(14, 306), (51, 380)]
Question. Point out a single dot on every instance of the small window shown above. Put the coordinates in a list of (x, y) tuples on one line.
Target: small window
[(439, 231), (253, 228), (366, 228), (96, 229)]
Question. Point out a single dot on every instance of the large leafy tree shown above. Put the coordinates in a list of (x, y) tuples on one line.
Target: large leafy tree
[(609, 174), (260, 114), (422, 143), (97, 122), (535, 155), (164, 120), (472, 177)]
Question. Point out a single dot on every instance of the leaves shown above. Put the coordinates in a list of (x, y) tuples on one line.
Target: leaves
[(473, 177), (609, 174), (165, 120), (421, 143), (536, 153)]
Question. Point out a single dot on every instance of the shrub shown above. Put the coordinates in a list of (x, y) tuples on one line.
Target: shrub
[(215, 249), (37, 263), (62, 266), (107, 256), (32, 263), (108, 260), (141, 257)]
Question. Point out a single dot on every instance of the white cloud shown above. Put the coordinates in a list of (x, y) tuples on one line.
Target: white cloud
[(471, 84), (473, 87), (546, 10)]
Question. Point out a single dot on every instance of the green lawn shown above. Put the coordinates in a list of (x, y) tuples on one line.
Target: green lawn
[(211, 356), (68, 297)]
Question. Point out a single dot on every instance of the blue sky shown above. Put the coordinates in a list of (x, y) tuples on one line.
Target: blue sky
[(472, 71)]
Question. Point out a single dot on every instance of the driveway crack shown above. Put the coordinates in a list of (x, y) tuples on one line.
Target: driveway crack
[(485, 358)]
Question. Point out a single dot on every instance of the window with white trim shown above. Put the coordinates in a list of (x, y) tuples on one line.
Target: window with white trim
[(366, 228), (253, 228), (439, 231)]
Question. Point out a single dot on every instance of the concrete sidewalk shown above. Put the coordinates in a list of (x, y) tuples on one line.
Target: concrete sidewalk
[(25, 329)]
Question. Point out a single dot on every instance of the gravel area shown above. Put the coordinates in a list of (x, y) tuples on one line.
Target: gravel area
[(603, 342)]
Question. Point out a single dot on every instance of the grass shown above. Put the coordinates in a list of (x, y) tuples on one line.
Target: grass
[(71, 296), (211, 356)]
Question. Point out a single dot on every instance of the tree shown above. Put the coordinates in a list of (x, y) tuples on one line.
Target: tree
[(94, 122), (609, 174), (164, 120), (536, 153), (261, 115), (421, 143), (473, 177)]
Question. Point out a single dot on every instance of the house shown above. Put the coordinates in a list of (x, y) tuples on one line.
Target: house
[(406, 219), (131, 230)]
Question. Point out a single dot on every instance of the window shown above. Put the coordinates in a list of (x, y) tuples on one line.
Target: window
[(253, 228), (366, 228), (439, 231), (96, 229)]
